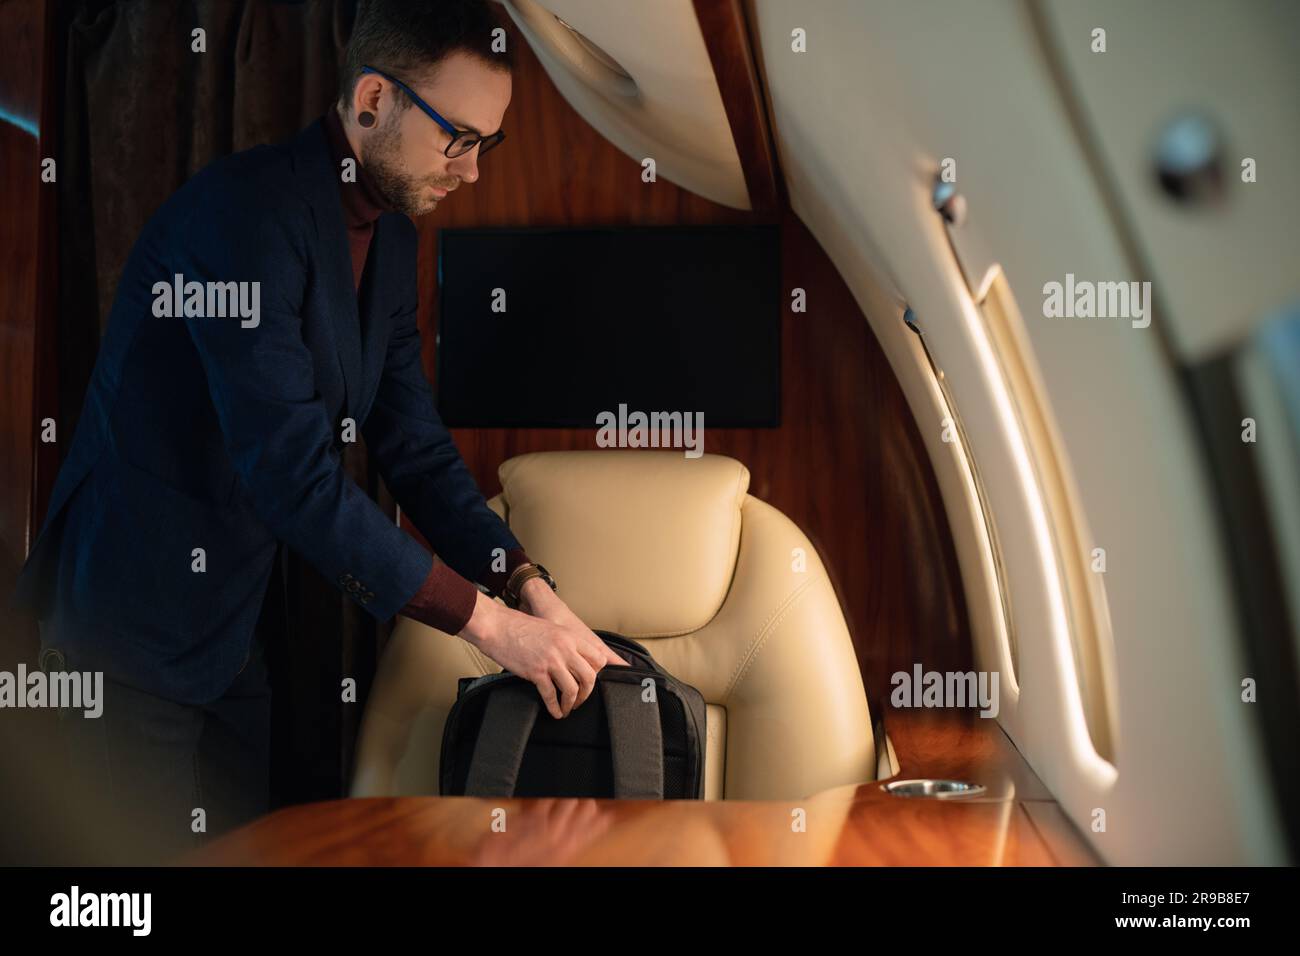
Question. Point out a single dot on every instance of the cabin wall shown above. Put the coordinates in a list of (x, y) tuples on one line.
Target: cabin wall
[(877, 102)]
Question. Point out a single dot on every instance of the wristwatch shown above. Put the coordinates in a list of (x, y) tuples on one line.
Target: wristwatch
[(525, 572)]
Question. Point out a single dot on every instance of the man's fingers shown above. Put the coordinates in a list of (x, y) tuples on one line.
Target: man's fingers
[(604, 654), (572, 678), (609, 656), (585, 674), (598, 657), (568, 688), (547, 691)]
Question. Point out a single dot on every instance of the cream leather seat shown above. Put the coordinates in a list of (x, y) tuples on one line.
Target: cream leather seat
[(724, 590)]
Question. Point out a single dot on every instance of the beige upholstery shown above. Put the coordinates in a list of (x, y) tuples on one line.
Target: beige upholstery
[(723, 589)]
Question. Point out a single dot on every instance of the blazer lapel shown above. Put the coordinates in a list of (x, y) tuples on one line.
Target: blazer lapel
[(321, 188), (375, 310)]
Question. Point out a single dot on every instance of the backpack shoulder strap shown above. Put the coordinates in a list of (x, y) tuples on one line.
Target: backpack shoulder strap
[(508, 721), (635, 741)]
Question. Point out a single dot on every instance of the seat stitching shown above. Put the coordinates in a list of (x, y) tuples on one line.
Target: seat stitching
[(764, 632)]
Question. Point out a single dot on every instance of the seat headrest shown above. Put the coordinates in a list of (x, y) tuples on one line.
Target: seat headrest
[(643, 543)]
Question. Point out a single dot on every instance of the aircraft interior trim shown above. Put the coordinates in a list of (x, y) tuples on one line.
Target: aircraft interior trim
[(657, 433)]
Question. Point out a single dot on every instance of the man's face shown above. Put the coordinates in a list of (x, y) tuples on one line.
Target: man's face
[(405, 153)]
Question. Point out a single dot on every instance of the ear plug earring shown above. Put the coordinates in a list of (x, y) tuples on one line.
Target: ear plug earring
[(366, 118)]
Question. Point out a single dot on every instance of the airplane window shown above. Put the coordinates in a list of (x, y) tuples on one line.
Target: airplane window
[(1082, 585)]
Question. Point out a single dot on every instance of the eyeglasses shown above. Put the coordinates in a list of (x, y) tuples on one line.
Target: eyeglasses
[(462, 140)]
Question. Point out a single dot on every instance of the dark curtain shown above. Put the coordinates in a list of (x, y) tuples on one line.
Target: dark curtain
[(142, 113)]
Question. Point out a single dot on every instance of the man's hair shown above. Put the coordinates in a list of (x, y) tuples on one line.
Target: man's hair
[(410, 38)]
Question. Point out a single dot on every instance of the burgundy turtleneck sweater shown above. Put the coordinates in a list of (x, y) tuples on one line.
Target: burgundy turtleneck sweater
[(446, 599)]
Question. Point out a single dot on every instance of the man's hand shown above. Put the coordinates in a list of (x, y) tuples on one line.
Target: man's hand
[(540, 601), (560, 656)]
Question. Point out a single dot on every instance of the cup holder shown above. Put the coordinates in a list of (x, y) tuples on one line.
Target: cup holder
[(941, 789)]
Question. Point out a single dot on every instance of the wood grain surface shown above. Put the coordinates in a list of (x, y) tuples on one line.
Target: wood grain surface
[(1014, 823)]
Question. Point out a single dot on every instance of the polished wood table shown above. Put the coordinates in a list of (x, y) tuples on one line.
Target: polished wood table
[(1015, 822)]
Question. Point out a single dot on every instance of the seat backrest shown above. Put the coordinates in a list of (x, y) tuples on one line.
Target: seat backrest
[(724, 590)]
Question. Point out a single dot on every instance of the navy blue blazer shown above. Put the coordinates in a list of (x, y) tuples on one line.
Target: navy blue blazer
[(214, 433)]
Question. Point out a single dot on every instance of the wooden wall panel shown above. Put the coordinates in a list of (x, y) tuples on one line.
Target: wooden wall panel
[(726, 35), (26, 300), (33, 793), (847, 464)]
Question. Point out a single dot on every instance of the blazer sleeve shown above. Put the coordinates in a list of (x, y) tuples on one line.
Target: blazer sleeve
[(417, 457), (275, 425)]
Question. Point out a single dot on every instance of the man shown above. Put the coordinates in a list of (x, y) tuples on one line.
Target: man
[(267, 311)]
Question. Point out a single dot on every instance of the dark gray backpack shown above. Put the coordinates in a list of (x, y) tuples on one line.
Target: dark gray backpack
[(501, 741)]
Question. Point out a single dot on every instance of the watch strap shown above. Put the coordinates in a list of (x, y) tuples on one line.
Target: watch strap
[(511, 594)]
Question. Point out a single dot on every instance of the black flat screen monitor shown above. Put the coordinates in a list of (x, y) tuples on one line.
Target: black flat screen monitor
[(543, 328)]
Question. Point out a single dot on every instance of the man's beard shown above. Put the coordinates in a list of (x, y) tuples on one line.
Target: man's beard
[(404, 193)]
